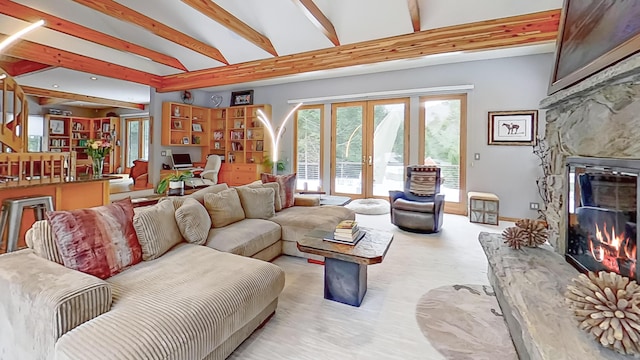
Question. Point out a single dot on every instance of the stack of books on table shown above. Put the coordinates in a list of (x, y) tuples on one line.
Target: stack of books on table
[(347, 232)]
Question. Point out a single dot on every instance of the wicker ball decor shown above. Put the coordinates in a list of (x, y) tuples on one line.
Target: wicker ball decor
[(536, 231), (515, 237), (608, 307)]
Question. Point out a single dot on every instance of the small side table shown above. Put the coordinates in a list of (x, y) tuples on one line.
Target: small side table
[(484, 208)]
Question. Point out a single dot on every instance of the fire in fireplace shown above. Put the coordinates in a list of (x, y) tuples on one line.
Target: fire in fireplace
[(603, 208)]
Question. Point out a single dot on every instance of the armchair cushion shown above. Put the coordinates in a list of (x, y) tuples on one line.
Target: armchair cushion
[(404, 204), (140, 167), (40, 301)]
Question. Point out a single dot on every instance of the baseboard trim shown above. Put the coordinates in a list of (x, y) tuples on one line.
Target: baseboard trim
[(506, 218)]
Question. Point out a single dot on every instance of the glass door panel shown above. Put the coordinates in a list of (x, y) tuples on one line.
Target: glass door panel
[(137, 140), (347, 169), (388, 151), (308, 137), (442, 139)]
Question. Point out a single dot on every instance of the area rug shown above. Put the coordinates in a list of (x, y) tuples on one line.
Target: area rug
[(465, 322), (369, 206)]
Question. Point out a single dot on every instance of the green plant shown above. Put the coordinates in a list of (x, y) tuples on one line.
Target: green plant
[(268, 163), (164, 183)]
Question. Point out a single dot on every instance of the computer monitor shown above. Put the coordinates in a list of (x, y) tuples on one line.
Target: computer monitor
[(181, 161)]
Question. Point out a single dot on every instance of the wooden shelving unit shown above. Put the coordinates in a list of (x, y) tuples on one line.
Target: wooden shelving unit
[(184, 125), (71, 133)]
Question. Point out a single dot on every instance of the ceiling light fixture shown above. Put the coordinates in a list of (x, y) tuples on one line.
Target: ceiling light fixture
[(15, 36), (55, 85), (93, 78)]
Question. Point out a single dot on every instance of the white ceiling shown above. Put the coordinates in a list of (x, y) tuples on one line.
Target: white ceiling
[(281, 21)]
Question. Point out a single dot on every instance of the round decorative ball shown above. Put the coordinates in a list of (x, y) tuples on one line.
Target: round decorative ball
[(608, 307), (515, 237), (535, 230)]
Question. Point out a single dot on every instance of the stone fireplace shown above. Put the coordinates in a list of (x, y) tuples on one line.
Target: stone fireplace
[(597, 118)]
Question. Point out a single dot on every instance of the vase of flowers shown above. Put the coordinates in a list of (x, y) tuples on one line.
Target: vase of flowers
[(98, 150)]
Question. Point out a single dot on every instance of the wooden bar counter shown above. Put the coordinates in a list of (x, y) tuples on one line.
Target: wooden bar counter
[(82, 192)]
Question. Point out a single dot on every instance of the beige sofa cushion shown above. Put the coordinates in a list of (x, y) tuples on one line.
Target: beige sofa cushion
[(247, 237), (193, 221), (213, 189), (224, 207), (40, 239), (257, 203), (180, 306), (277, 202), (299, 220), (157, 229)]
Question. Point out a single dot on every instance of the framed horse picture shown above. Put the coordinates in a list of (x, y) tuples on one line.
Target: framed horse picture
[(513, 127)]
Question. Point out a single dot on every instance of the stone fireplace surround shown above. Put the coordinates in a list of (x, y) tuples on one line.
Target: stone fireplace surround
[(598, 117)]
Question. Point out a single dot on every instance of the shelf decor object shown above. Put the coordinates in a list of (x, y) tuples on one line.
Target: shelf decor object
[(240, 98), (98, 150), (277, 133)]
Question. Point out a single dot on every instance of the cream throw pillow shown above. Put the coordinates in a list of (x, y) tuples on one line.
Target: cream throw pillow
[(257, 202), (157, 229), (276, 192), (224, 207), (193, 221)]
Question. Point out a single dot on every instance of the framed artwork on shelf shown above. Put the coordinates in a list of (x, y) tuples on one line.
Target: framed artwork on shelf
[(197, 127), (240, 98), (216, 145), (593, 35), (56, 126), (185, 140), (513, 127), (259, 145), (217, 135), (177, 125)]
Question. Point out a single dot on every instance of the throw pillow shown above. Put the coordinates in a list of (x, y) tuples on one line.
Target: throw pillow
[(193, 221), (287, 187), (157, 229), (213, 189), (99, 241), (257, 203), (224, 207), (40, 239), (277, 202)]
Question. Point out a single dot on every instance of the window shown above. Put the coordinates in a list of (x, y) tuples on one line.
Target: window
[(308, 145), (137, 140), (35, 133)]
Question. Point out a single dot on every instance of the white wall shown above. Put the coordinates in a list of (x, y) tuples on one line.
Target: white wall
[(517, 83)]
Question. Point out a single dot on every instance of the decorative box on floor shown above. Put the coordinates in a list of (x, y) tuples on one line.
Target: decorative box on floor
[(483, 207)]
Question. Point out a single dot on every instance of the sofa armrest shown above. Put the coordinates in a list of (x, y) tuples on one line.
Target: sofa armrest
[(41, 300), (302, 200)]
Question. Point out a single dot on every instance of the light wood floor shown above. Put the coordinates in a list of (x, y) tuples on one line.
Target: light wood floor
[(306, 326)]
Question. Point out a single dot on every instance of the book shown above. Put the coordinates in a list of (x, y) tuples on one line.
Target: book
[(346, 237), (347, 231), (360, 236), (346, 224)]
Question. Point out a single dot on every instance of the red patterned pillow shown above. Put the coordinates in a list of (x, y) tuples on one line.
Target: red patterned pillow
[(100, 241), (287, 187)]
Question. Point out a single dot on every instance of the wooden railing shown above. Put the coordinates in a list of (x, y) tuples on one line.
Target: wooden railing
[(22, 169)]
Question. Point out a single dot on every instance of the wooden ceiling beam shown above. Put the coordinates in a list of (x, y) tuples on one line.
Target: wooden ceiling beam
[(77, 97), (123, 13), (414, 11), (57, 57), (317, 17), (28, 14), (44, 101), (536, 28), (226, 19), (23, 67)]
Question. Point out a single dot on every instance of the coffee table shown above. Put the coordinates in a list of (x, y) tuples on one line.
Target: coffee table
[(345, 266)]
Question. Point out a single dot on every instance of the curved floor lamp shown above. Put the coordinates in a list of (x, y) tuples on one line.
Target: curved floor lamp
[(277, 133)]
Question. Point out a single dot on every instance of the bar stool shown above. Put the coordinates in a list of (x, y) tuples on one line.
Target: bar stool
[(11, 216)]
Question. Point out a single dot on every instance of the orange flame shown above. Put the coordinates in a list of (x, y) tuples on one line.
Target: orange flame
[(612, 246)]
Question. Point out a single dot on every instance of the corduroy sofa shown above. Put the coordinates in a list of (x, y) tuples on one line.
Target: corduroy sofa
[(192, 302)]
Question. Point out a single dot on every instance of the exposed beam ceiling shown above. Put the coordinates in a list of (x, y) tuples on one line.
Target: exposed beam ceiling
[(414, 11), (57, 57), (317, 17), (76, 97), (25, 67), (26, 13), (113, 9), (43, 101), (529, 29), (226, 19)]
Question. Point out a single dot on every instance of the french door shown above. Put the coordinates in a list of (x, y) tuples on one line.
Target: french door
[(442, 141), (136, 140), (370, 147)]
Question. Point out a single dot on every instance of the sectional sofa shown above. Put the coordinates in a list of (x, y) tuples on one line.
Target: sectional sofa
[(198, 293)]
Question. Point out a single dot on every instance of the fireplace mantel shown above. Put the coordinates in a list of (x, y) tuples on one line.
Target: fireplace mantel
[(598, 117)]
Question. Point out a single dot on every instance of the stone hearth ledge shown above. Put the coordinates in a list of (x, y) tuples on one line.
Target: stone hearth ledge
[(530, 284)]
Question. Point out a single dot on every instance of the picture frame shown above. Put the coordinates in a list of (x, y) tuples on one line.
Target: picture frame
[(513, 127), (196, 127), (241, 98), (185, 140), (592, 36), (177, 125), (56, 127), (216, 145)]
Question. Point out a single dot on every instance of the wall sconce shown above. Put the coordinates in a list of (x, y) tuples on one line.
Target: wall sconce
[(277, 133)]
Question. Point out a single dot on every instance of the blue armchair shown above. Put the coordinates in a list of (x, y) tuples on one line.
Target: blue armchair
[(420, 207)]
